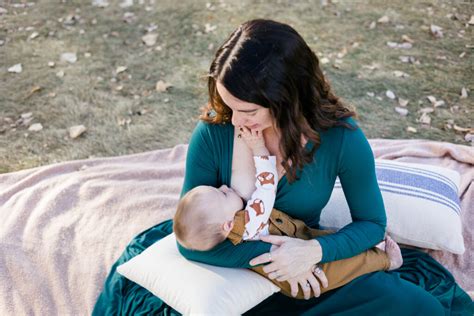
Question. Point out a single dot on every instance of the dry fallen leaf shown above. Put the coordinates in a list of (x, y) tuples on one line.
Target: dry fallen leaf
[(424, 119), (100, 3), (439, 103), (34, 35), (463, 93), (209, 28), (400, 74), (434, 102), (462, 129), (401, 111), (426, 110), (436, 31), (76, 131), (390, 94), (471, 21), (409, 59), (124, 121), (162, 86), (128, 17), (384, 19), (69, 57), (26, 115), (150, 39), (16, 69), (372, 66), (411, 129), (32, 91), (126, 3), (402, 102), (120, 69), (404, 45), (431, 98), (35, 127), (407, 39)]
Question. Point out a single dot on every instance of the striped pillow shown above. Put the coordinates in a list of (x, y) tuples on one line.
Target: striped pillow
[(421, 202)]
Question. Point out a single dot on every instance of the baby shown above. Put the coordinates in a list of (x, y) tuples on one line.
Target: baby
[(206, 216)]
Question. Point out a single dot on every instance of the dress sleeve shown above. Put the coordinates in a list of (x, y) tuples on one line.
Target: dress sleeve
[(356, 171), (202, 168)]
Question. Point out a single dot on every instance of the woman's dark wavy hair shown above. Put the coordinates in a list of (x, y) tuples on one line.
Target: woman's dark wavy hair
[(268, 63)]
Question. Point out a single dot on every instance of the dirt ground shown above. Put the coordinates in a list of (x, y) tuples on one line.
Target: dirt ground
[(377, 54)]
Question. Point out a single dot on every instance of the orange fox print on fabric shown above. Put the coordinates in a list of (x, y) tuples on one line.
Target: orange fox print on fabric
[(258, 207), (266, 178), (247, 218), (261, 227)]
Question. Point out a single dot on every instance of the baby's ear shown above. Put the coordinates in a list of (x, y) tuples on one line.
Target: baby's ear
[(228, 225)]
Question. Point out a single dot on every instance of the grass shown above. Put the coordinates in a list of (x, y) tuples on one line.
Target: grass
[(89, 93)]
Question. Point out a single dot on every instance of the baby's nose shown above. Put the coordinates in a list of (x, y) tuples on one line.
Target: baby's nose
[(224, 188)]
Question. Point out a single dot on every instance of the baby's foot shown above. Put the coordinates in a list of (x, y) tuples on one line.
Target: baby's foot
[(394, 253)]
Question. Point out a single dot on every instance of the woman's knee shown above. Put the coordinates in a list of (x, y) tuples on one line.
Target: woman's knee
[(410, 299)]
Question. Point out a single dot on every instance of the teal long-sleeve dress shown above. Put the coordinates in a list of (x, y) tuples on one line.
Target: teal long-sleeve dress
[(420, 287)]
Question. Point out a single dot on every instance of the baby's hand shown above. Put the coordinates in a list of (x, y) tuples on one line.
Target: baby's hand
[(254, 140)]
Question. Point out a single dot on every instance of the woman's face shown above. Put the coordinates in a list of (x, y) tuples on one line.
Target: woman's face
[(251, 115)]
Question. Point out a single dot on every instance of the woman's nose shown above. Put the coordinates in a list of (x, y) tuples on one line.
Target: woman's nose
[(237, 119)]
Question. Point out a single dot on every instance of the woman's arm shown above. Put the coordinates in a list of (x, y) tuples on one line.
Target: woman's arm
[(202, 168), (356, 172)]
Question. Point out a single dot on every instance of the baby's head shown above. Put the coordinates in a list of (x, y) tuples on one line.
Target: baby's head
[(205, 216)]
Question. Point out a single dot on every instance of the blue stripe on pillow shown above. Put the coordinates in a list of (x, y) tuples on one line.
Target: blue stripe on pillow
[(419, 171), (418, 183), (415, 193)]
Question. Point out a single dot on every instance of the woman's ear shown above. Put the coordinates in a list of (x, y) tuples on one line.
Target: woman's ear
[(228, 225)]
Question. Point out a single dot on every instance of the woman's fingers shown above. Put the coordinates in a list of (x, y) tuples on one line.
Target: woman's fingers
[(264, 258), (315, 286), (274, 239), (294, 287), (272, 267), (306, 287), (319, 273)]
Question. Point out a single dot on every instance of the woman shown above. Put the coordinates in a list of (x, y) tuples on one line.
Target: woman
[(266, 78)]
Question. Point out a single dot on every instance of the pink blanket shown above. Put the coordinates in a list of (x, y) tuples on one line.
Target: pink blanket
[(64, 225)]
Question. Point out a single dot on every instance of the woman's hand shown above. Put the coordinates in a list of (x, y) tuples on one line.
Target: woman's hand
[(308, 282), (293, 260), (254, 140), (293, 256)]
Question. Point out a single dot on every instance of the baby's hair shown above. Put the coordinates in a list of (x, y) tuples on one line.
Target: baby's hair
[(193, 222)]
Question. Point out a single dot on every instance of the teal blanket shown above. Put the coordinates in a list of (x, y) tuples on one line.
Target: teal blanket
[(123, 297)]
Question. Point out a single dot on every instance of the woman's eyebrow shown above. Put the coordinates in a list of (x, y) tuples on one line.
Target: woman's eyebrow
[(247, 111)]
